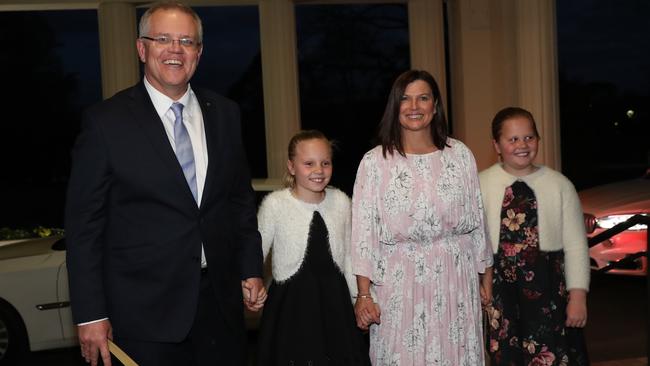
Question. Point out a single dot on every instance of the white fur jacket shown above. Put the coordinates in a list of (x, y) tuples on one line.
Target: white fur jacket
[(560, 221), (284, 223)]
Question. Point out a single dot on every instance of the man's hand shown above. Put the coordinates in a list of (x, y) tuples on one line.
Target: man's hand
[(254, 293), (93, 339)]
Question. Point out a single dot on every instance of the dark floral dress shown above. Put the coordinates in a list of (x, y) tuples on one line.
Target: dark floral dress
[(526, 321)]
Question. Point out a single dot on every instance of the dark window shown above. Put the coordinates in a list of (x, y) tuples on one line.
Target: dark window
[(604, 53), (349, 56), (231, 65), (51, 72)]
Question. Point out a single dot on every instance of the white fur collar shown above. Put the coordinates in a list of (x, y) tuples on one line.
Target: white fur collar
[(284, 223)]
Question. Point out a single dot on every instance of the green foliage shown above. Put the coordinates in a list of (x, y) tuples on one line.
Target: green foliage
[(37, 232)]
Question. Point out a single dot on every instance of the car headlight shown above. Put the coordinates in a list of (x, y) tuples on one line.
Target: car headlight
[(608, 222)]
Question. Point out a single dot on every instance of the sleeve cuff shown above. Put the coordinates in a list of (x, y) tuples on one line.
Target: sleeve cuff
[(92, 321)]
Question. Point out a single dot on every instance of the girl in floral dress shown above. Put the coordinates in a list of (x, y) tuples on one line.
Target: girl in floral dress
[(418, 236), (541, 270)]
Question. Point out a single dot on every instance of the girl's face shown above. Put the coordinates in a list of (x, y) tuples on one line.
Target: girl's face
[(312, 168), (517, 146), (417, 108)]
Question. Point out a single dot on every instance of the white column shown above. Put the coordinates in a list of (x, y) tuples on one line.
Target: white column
[(503, 53), (476, 89), (427, 40), (117, 36), (538, 75), (280, 78)]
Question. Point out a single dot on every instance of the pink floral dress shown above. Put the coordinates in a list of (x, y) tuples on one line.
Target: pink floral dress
[(418, 233)]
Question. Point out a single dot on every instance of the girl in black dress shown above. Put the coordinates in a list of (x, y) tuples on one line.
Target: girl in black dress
[(308, 317)]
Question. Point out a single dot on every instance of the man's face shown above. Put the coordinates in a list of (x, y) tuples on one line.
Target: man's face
[(169, 67)]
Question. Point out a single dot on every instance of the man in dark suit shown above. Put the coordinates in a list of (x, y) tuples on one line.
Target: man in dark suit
[(163, 247)]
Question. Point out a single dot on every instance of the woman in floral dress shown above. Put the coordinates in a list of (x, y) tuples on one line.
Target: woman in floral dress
[(536, 226), (418, 236)]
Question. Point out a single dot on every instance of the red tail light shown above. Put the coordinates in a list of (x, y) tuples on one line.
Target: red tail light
[(590, 223)]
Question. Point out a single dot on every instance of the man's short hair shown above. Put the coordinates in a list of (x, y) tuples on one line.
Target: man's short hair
[(143, 28)]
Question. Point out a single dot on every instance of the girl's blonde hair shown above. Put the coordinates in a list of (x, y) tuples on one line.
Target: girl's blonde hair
[(304, 135)]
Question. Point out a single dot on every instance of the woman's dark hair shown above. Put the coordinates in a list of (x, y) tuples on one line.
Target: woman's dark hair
[(508, 113), (390, 130)]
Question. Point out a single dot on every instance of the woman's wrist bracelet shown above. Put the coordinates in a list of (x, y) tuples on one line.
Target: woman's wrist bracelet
[(364, 296)]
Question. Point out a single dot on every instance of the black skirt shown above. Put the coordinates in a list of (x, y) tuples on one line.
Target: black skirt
[(309, 319)]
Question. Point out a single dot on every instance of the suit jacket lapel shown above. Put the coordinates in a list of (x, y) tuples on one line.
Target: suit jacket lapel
[(212, 140), (146, 116)]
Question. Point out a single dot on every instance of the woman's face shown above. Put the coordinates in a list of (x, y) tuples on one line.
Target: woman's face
[(417, 107), (517, 146)]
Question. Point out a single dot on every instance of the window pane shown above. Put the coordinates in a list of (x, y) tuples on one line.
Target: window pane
[(604, 53), (348, 57), (51, 73), (231, 66)]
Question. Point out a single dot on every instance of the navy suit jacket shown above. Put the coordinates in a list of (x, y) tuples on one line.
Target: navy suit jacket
[(134, 231)]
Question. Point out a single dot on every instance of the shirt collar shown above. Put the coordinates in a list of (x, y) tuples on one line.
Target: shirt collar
[(161, 102)]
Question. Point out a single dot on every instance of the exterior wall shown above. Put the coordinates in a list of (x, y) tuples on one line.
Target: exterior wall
[(502, 53)]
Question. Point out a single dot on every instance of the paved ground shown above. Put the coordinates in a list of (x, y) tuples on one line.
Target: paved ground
[(618, 318), (627, 362), (616, 335)]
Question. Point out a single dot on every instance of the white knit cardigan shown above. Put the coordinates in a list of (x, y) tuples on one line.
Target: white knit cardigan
[(284, 223), (559, 214)]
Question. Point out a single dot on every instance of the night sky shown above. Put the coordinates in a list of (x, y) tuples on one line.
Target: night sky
[(604, 59), (606, 40)]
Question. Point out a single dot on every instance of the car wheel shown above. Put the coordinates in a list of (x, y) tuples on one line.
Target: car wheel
[(13, 336)]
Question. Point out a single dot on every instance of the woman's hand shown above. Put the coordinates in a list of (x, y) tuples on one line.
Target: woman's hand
[(576, 309), (366, 312), (365, 309), (485, 288)]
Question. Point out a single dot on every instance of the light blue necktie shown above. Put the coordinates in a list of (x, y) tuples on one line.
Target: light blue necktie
[(184, 152)]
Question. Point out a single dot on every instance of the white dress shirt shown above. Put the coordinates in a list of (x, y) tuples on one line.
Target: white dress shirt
[(193, 121)]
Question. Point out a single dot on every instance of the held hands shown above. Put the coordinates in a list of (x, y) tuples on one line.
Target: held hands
[(254, 293), (366, 312), (576, 309), (365, 309), (93, 339), (486, 295), (485, 288)]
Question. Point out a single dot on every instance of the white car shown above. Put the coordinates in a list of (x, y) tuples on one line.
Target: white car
[(34, 304), (34, 300), (607, 205)]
